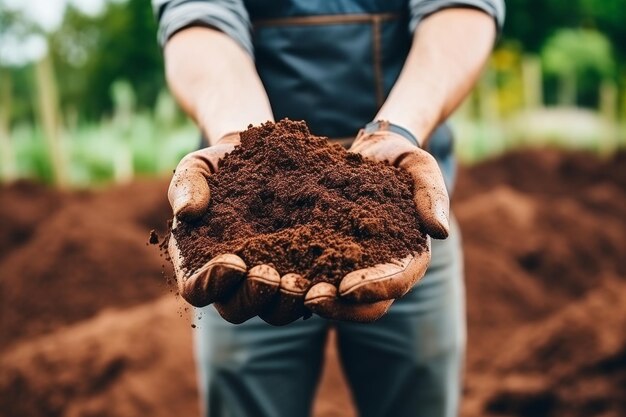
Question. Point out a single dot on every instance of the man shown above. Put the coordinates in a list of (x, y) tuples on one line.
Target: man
[(339, 65)]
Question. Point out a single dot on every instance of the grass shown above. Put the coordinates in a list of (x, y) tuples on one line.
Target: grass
[(99, 153), (562, 128)]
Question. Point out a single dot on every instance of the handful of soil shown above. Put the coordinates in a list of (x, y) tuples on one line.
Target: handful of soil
[(292, 200)]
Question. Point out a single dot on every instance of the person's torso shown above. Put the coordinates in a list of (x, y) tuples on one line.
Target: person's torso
[(330, 63)]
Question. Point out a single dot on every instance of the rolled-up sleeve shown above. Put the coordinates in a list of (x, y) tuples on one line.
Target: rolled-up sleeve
[(420, 9), (228, 16)]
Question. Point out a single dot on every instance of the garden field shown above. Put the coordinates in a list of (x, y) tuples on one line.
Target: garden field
[(89, 326)]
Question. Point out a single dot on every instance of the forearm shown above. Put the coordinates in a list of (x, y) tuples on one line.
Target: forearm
[(449, 51), (215, 82)]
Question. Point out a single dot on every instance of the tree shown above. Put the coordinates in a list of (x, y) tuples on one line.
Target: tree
[(91, 53), (581, 59)]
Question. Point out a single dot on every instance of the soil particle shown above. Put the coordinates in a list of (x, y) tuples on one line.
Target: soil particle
[(154, 237), (290, 199)]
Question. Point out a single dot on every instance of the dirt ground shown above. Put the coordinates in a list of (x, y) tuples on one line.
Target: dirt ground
[(88, 326)]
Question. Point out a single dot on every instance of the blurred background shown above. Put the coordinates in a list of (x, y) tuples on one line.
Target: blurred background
[(88, 326), (83, 94)]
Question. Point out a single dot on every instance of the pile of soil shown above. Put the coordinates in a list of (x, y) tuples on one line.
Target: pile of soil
[(25, 205), (545, 298), (291, 200), (76, 254), (122, 362), (87, 326)]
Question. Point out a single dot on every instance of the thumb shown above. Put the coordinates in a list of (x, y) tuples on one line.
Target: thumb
[(189, 192), (385, 281), (430, 194)]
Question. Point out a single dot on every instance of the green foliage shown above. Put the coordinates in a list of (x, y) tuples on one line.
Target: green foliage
[(91, 53), (581, 59), (578, 51), (531, 22), (95, 153)]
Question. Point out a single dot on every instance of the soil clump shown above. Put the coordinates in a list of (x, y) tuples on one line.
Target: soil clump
[(290, 199)]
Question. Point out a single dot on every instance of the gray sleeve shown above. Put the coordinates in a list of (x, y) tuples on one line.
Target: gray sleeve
[(228, 16), (420, 9)]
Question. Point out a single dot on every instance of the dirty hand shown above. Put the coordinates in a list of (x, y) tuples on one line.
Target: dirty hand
[(238, 293), (365, 295)]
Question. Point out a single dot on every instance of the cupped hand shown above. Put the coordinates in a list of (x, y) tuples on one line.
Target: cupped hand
[(237, 291), (366, 294)]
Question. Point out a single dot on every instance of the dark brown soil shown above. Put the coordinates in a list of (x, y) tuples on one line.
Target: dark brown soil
[(88, 328), (291, 200)]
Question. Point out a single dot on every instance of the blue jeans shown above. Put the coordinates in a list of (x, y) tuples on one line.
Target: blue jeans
[(408, 363)]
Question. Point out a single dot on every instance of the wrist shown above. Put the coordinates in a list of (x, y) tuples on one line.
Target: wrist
[(218, 119), (419, 118), (232, 138), (386, 126)]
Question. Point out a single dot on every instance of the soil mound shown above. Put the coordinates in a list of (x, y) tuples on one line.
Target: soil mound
[(545, 172), (291, 200), (571, 364), (543, 233), (22, 207), (87, 254), (132, 362)]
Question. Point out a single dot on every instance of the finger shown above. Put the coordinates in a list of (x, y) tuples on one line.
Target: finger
[(188, 192), (322, 299), (253, 295), (174, 253), (384, 281), (214, 281), (430, 193), (289, 305)]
